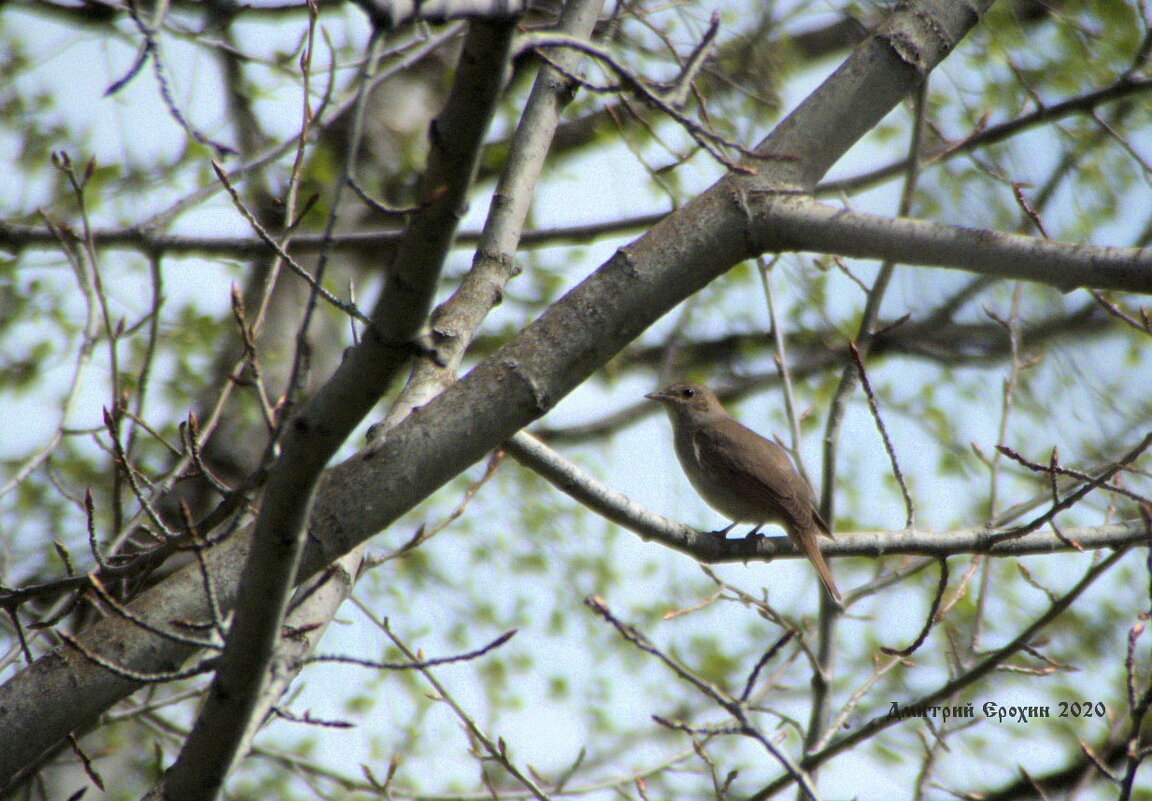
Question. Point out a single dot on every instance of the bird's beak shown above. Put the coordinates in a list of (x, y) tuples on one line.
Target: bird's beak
[(656, 396)]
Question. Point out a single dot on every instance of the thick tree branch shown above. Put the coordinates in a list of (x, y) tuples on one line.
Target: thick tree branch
[(456, 321), (783, 222), (213, 747), (881, 72)]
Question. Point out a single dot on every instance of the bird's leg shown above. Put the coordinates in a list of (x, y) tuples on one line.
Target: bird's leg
[(724, 531), (754, 532)]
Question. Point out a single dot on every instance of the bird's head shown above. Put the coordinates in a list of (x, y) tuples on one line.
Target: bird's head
[(688, 401)]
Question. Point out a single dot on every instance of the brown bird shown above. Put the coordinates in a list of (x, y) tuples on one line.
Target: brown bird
[(742, 475)]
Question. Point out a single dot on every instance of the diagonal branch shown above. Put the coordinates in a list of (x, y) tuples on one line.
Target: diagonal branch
[(213, 747), (455, 322)]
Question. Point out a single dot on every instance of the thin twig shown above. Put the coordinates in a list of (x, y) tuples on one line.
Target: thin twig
[(1079, 475), (909, 508), (420, 664), (1074, 497), (126, 612), (941, 586), (982, 668), (495, 749), (205, 666), (270, 241), (764, 660), (781, 361), (731, 705)]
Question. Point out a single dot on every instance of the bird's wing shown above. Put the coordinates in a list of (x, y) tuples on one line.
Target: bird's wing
[(758, 468), (825, 530)]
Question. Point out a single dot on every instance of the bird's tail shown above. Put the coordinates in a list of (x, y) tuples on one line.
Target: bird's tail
[(809, 544)]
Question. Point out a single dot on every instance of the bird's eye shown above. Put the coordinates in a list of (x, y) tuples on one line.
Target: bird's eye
[(688, 392)]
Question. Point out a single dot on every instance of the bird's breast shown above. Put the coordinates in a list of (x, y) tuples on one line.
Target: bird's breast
[(719, 490)]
